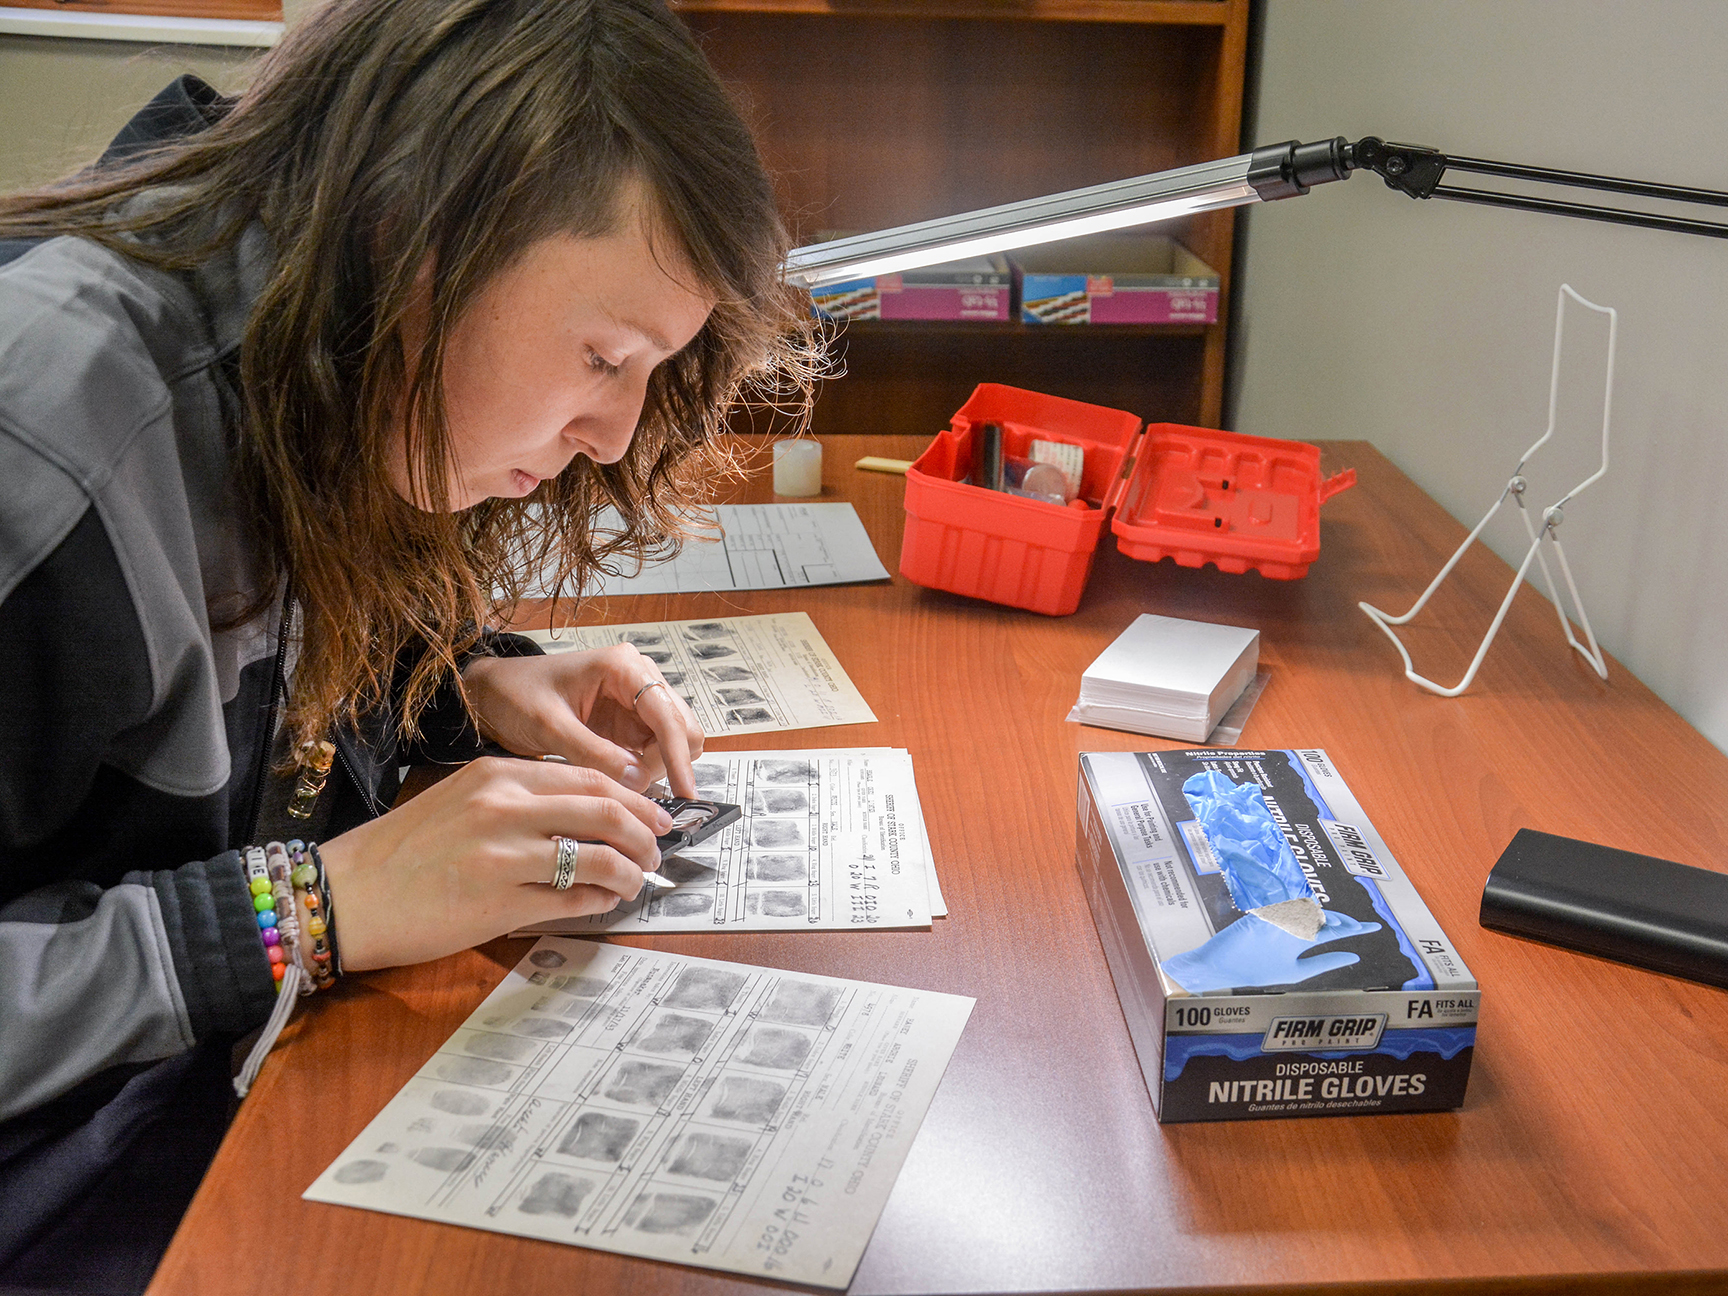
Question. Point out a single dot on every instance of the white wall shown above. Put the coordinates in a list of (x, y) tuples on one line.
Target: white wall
[(1426, 327), (61, 101)]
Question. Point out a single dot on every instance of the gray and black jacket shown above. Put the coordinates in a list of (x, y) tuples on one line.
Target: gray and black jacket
[(134, 740)]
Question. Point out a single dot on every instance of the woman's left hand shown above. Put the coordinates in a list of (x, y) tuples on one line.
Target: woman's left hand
[(609, 709)]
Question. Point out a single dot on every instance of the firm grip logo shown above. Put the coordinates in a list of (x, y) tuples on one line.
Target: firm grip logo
[(1353, 847), (1316, 1034)]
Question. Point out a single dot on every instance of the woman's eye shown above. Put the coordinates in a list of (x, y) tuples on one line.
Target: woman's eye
[(600, 365)]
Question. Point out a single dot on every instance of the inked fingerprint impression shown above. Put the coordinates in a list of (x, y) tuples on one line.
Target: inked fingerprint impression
[(776, 1049), (769, 867), (748, 1099), (474, 1071), (802, 1003), (676, 1033), (642, 1084), (556, 1194), (711, 1156), (669, 1213), (701, 987), (597, 1136)]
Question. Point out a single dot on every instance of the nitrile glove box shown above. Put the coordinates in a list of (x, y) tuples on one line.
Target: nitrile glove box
[(1262, 983)]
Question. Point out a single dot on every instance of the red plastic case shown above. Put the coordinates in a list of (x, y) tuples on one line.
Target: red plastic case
[(1196, 495)]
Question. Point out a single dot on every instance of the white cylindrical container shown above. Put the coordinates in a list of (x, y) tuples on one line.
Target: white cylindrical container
[(797, 468)]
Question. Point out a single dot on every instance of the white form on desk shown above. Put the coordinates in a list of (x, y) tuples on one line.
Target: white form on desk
[(830, 840), (687, 1110), (756, 546), (738, 674)]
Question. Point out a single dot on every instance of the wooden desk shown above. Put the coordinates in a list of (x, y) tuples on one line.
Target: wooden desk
[(1594, 1135)]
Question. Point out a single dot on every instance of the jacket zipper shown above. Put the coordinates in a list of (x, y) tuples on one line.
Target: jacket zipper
[(261, 772), (372, 803)]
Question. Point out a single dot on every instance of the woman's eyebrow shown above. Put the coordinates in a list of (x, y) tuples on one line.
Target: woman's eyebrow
[(654, 339), (642, 331)]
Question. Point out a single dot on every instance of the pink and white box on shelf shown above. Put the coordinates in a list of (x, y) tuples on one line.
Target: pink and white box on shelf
[(1115, 279), (976, 289)]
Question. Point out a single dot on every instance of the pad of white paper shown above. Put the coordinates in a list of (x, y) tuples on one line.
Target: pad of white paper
[(830, 840), (738, 674), (650, 1104), (765, 546)]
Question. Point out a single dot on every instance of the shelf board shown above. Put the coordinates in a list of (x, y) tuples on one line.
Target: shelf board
[(1013, 328), (1191, 13)]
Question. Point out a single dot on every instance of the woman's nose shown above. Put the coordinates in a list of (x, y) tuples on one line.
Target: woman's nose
[(609, 430)]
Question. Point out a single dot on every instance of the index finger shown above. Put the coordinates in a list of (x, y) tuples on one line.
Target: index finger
[(675, 730), (559, 778)]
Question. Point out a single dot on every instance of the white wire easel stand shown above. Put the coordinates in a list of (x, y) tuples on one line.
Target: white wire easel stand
[(1552, 517)]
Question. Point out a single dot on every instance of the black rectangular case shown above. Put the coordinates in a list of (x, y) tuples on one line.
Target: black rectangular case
[(693, 821), (1637, 909)]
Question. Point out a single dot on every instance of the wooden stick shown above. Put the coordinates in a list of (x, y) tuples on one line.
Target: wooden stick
[(874, 463)]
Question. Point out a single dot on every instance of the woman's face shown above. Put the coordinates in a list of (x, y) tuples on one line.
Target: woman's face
[(552, 359)]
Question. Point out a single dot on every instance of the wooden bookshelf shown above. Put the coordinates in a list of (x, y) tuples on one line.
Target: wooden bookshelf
[(874, 113)]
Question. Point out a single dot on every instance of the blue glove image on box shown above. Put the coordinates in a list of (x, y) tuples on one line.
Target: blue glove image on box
[(1254, 952), (1252, 853)]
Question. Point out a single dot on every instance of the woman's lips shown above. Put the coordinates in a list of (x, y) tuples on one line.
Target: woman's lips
[(524, 482)]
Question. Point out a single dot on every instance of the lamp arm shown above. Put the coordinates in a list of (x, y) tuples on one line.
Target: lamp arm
[(1286, 170), (1269, 173)]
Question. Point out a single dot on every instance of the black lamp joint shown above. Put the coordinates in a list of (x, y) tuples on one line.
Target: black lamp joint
[(1408, 168), (1288, 169)]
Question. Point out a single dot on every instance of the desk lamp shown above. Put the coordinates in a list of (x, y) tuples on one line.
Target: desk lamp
[(1269, 173)]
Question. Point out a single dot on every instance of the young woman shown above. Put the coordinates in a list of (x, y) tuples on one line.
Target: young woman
[(457, 290)]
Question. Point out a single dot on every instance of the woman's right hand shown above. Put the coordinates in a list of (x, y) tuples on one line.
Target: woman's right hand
[(469, 858)]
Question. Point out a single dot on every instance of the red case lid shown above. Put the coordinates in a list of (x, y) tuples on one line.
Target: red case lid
[(1200, 495)]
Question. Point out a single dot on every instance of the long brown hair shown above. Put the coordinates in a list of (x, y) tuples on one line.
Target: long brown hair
[(385, 135)]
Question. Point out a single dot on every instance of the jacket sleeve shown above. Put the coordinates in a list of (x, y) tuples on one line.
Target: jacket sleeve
[(115, 948), (447, 733)]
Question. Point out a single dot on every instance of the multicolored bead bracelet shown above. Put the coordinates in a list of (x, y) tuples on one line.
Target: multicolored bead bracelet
[(264, 906), (291, 899), (287, 913), (310, 907)]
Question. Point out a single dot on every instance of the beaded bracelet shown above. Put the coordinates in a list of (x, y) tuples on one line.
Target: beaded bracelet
[(292, 900), (287, 912), (329, 909), (264, 906), (313, 928)]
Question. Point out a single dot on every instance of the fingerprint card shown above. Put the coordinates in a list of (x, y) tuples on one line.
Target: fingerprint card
[(740, 675), (705, 1113), (829, 840)]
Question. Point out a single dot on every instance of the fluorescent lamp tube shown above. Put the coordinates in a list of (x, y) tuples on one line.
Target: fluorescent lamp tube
[(1270, 172), (1116, 205)]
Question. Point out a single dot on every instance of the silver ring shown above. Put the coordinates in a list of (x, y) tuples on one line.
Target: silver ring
[(566, 874), (650, 684)]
